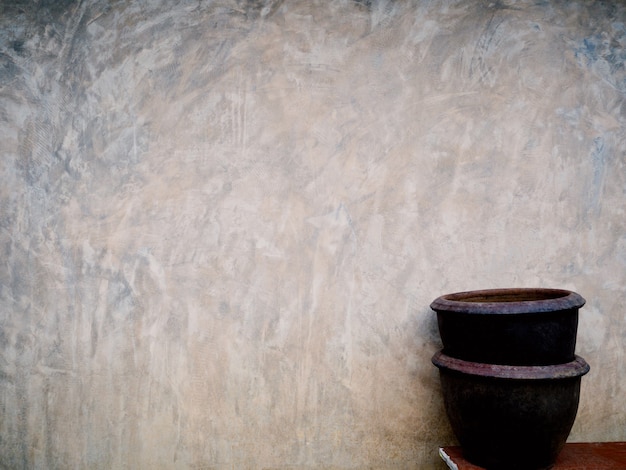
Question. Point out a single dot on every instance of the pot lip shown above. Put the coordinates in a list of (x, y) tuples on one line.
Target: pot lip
[(576, 368), (508, 301)]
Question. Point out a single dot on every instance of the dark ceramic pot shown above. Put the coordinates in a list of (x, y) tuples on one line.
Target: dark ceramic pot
[(525, 326), (510, 417)]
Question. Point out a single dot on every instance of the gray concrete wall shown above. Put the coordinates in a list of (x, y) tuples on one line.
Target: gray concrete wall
[(222, 222)]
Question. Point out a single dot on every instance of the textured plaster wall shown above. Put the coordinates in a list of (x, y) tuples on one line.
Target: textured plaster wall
[(222, 222)]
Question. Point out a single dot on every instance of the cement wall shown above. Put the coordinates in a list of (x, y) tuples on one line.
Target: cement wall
[(222, 222)]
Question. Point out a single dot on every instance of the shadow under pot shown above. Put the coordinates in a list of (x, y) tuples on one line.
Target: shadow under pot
[(523, 326), (510, 417)]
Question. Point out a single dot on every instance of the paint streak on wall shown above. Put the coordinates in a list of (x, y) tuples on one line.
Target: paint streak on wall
[(222, 222)]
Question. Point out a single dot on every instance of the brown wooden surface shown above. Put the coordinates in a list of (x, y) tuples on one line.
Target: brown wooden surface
[(574, 456)]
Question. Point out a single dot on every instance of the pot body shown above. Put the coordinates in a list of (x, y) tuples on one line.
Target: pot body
[(509, 417), (530, 326)]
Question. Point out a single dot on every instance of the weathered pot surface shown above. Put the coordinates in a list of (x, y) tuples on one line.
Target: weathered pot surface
[(510, 417), (521, 326)]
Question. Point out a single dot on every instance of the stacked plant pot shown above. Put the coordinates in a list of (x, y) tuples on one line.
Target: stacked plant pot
[(509, 374)]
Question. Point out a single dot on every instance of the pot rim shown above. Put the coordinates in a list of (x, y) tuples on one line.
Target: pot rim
[(576, 368), (508, 301)]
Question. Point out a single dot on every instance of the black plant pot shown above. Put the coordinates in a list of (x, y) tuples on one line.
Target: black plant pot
[(528, 326), (510, 417)]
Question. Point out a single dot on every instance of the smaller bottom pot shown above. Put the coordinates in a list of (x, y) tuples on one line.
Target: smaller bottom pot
[(510, 417)]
